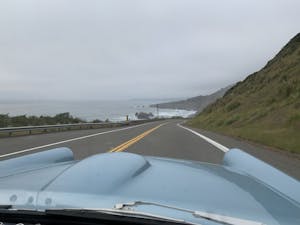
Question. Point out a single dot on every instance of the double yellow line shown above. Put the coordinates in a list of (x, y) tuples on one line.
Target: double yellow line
[(126, 144)]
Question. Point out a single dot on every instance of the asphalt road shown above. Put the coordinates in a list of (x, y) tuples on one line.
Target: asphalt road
[(160, 138)]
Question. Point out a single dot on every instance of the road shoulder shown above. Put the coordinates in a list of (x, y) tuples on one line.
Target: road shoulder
[(284, 161)]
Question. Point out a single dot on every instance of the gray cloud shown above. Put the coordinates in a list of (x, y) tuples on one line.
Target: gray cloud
[(58, 49)]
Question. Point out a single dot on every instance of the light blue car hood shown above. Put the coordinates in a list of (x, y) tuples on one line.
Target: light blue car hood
[(104, 180)]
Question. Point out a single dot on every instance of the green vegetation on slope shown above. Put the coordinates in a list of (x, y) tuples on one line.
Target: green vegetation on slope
[(265, 107)]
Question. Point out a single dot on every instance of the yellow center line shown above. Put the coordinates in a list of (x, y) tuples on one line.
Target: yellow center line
[(126, 144)]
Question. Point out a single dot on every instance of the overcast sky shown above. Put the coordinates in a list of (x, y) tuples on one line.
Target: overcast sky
[(58, 49)]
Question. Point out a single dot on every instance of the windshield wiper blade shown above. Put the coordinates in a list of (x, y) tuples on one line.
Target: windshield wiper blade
[(93, 212), (198, 214), (128, 210), (100, 212)]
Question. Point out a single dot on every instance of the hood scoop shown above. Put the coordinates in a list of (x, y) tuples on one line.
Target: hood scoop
[(99, 174)]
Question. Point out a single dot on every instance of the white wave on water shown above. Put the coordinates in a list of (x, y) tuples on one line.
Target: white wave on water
[(89, 110), (166, 113)]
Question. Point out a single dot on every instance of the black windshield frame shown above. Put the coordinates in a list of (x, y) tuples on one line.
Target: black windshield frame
[(84, 218)]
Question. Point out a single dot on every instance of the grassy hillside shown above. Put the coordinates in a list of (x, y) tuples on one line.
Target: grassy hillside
[(265, 107)]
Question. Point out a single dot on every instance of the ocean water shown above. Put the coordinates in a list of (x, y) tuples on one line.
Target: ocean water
[(89, 110)]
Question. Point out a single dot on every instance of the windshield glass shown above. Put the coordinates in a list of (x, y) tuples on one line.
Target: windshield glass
[(184, 104)]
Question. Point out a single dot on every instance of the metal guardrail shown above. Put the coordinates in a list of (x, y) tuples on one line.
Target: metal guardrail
[(27, 130)]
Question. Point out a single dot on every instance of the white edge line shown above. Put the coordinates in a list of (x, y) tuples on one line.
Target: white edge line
[(214, 143), (69, 140)]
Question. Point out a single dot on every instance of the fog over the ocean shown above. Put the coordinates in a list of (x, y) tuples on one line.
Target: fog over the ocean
[(116, 49)]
